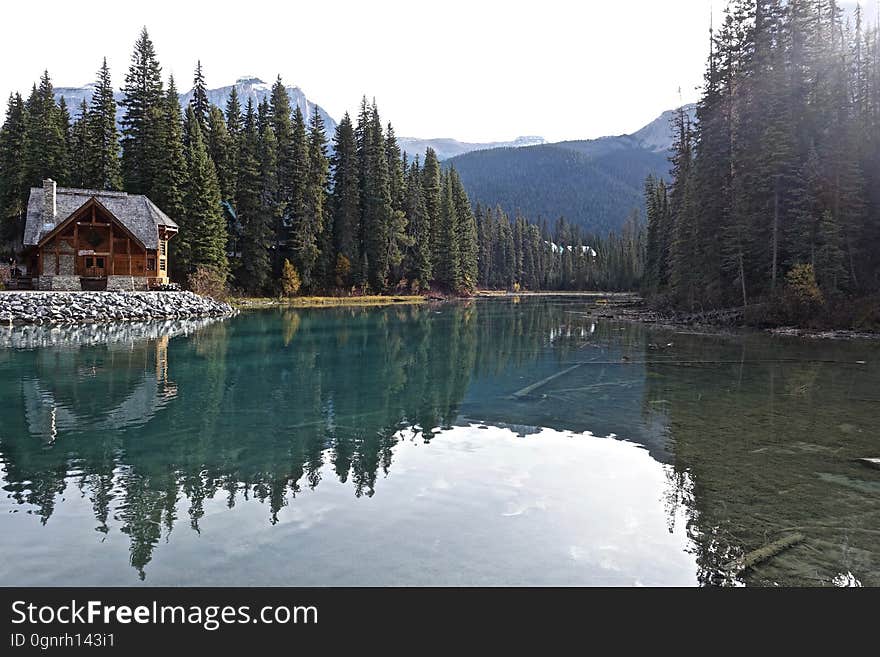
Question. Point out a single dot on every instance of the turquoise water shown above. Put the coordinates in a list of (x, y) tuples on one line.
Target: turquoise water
[(487, 442)]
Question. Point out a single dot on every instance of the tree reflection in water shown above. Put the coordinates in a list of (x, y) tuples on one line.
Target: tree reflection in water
[(151, 422)]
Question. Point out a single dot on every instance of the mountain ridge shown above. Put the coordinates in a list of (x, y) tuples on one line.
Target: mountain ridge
[(247, 86), (595, 183)]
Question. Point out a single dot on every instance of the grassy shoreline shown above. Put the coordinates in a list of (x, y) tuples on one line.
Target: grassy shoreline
[(248, 303)]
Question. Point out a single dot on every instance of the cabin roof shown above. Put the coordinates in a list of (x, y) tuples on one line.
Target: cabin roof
[(134, 211)]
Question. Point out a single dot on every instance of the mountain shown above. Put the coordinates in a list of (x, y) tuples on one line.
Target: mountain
[(255, 88), (447, 147), (594, 183), (248, 87)]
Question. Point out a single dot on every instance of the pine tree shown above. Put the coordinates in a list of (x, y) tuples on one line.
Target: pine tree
[(279, 113), (204, 220), (418, 262), (254, 216), (301, 239), (199, 102), (447, 265), (80, 150), (466, 235), (345, 198), (398, 238), (172, 176), (377, 213), (46, 136), (142, 140), (13, 181), (220, 147), (102, 166), (234, 128), (431, 188), (315, 216)]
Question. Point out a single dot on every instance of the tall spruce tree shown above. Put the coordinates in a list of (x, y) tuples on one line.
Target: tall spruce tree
[(142, 124), (345, 202), (254, 195), (13, 177), (315, 214), (80, 149), (46, 151), (199, 102), (203, 214), (102, 166), (220, 148), (466, 236), (418, 261), (431, 188), (376, 207)]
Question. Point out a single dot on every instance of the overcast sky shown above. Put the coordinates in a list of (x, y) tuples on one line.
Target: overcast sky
[(474, 70)]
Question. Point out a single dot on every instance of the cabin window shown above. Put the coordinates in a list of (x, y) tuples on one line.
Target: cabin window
[(90, 262), (151, 264), (99, 263), (162, 247), (162, 264)]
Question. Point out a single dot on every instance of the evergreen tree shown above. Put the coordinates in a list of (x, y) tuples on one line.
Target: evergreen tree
[(398, 238), (254, 214), (279, 113), (199, 102), (45, 136), (345, 199), (171, 175), (204, 221), (220, 149), (102, 166), (447, 264), (13, 180), (418, 262), (466, 235), (315, 215), (80, 149), (431, 188), (142, 134), (301, 238)]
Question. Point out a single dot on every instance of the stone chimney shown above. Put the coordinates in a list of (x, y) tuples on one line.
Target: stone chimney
[(49, 207)]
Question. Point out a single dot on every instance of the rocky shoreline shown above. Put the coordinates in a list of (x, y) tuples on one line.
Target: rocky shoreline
[(59, 308), (721, 321)]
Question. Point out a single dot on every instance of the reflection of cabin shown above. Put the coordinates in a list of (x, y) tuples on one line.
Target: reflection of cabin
[(85, 239)]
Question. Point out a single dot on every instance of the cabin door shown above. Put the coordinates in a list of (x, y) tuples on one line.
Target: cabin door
[(94, 266)]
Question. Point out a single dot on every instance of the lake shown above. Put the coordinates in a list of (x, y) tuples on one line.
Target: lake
[(521, 441)]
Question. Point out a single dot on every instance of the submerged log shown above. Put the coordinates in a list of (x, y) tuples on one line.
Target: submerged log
[(755, 557), (528, 389)]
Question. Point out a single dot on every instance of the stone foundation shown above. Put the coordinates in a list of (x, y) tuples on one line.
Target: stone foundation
[(127, 284), (59, 283)]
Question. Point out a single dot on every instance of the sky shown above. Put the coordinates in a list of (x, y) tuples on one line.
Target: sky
[(474, 70)]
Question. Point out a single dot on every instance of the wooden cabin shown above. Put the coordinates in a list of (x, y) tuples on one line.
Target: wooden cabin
[(80, 239)]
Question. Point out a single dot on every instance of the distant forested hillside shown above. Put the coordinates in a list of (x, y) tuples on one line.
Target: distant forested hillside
[(594, 184)]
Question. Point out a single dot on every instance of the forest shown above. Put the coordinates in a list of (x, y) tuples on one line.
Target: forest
[(268, 204), (775, 191)]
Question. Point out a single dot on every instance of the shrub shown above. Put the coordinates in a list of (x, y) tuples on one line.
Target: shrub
[(290, 281), (343, 271), (208, 282), (802, 286)]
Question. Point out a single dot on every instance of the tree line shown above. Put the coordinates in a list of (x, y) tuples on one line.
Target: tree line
[(267, 203), (778, 180), (519, 254)]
